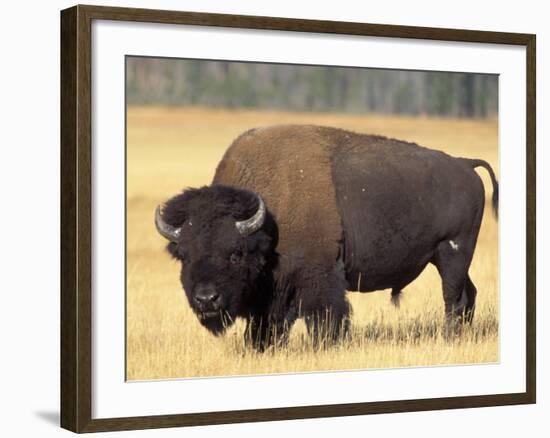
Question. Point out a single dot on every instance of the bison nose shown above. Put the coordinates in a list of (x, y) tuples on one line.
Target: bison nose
[(207, 297)]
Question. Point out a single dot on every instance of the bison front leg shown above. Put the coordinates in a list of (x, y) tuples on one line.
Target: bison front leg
[(322, 302), (327, 326), (262, 332)]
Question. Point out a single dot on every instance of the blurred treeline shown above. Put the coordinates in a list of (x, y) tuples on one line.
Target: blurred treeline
[(163, 81)]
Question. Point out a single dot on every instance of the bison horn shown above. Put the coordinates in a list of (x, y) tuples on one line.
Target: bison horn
[(166, 230), (254, 223)]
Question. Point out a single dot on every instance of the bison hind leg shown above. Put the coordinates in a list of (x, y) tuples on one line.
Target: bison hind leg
[(459, 292), (471, 293)]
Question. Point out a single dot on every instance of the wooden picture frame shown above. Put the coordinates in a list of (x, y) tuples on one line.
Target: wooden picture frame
[(76, 217)]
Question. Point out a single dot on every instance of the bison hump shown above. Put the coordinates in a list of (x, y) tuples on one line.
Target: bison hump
[(290, 167)]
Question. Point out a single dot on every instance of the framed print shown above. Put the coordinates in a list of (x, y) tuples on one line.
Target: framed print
[(267, 218)]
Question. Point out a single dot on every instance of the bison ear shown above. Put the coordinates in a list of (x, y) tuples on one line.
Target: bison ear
[(261, 242), (172, 249), (265, 243)]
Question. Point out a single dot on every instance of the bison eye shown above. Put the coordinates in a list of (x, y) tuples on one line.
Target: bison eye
[(235, 257)]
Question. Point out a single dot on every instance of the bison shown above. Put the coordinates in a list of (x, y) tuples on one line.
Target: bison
[(298, 214)]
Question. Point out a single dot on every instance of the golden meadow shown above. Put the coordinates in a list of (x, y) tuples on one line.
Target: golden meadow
[(172, 148)]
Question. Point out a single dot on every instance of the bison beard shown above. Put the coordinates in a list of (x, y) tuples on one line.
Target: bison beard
[(298, 214)]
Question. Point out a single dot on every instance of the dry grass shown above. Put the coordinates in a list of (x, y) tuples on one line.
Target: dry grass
[(170, 149)]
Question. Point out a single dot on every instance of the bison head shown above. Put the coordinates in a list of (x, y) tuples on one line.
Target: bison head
[(221, 237)]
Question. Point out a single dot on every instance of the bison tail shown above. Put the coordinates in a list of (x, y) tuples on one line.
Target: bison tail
[(489, 169)]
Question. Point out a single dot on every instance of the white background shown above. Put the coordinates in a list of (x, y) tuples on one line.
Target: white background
[(29, 225)]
